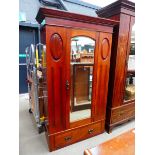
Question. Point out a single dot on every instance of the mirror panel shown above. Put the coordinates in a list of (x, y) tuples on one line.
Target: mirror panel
[(130, 79), (81, 64)]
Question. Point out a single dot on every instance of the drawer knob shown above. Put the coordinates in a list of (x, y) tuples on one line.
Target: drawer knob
[(68, 138), (90, 131), (121, 113)]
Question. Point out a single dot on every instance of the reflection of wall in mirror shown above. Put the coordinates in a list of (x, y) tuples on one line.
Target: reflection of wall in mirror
[(91, 50), (131, 62)]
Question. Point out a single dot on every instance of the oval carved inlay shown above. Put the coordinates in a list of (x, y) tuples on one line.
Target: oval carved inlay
[(56, 46), (105, 48)]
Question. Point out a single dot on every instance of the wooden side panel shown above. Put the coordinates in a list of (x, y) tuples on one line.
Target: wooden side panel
[(103, 66), (56, 77)]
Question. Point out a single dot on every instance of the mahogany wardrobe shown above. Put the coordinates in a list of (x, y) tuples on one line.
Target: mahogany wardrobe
[(121, 89), (76, 75)]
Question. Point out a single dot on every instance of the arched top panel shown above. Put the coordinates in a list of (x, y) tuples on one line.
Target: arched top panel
[(83, 33)]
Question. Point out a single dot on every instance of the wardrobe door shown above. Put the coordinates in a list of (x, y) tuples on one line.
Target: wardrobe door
[(56, 77), (103, 65), (83, 60), (129, 91)]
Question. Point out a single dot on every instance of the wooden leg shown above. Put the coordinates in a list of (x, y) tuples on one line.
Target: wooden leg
[(108, 129)]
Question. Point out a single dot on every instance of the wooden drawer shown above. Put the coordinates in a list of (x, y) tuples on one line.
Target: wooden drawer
[(122, 116), (74, 135), (127, 107), (122, 113)]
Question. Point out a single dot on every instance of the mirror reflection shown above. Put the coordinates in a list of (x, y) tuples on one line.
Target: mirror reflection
[(82, 62), (130, 79)]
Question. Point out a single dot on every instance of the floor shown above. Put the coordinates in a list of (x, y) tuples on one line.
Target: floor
[(32, 143)]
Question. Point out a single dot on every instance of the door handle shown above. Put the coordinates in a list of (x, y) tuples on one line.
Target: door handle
[(67, 85)]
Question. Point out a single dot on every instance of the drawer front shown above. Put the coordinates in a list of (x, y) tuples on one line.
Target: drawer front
[(72, 136), (122, 116), (122, 113), (66, 138), (90, 130), (128, 107)]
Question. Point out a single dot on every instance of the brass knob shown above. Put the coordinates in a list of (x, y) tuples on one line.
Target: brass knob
[(121, 113), (68, 138), (90, 131)]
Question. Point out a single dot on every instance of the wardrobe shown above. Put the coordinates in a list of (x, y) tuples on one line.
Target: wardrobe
[(75, 75), (121, 89)]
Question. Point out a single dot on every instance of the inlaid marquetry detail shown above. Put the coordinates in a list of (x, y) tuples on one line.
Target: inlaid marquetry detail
[(105, 48)]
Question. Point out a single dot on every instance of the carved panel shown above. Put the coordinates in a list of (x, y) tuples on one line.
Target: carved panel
[(57, 61), (103, 65), (56, 46), (102, 93), (56, 103), (105, 48)]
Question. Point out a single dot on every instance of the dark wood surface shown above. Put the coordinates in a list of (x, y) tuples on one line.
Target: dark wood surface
[(131, 71), (120, 6), (59, 28), (123, 11), (123, 144)]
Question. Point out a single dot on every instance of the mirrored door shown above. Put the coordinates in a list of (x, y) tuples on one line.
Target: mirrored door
[(81, 73), (130, 78)]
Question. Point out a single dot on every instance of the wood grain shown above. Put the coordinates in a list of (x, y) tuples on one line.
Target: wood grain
[(57, 32), (124, 12)]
